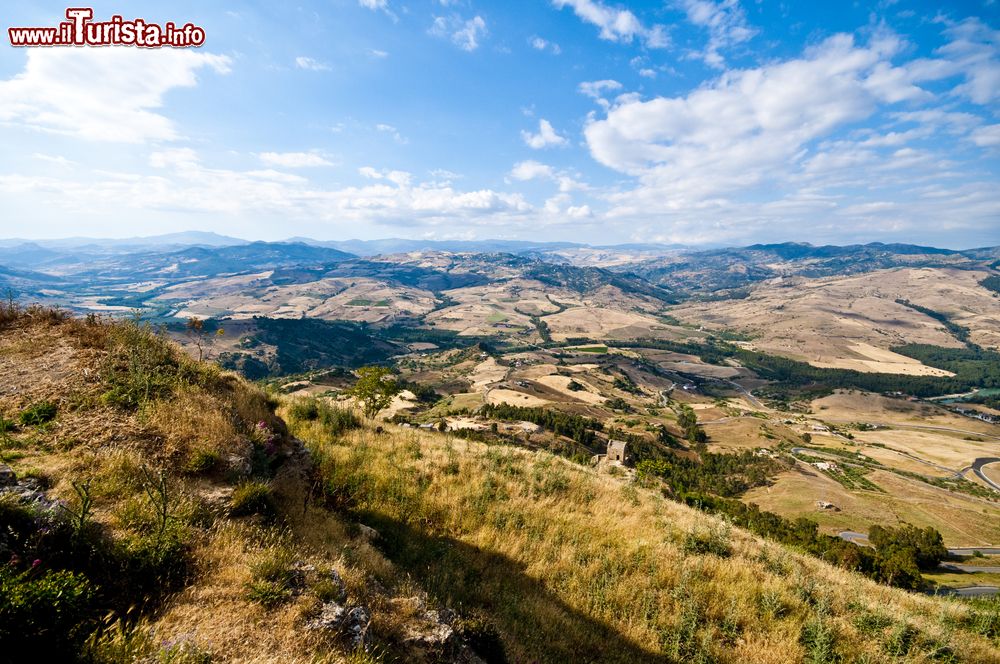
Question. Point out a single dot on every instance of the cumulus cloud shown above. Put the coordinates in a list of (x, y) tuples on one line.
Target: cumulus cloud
[(725, 22), (730, 133), (304, 62), (102, 94), (533, 170), (617, 25), (766, 133), (294, 159), (463, 33), (379, 6), (987, 137), (546, 136), (182, 182), (540, 44)]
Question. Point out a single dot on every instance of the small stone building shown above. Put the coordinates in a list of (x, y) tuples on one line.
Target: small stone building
[(617, 451)]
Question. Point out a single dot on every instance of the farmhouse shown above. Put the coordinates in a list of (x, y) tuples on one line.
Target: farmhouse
[(828, 466), (617, 451)]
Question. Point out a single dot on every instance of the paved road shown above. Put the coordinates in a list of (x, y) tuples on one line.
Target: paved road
[(971, 591), (969, 550), (971, 569), (861, 539), (977, 468), (750, 397)]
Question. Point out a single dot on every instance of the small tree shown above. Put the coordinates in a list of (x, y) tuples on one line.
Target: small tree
[(197, 333), (375, 389)]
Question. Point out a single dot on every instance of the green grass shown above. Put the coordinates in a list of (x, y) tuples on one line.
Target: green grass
[(362, 302), (591, 349)]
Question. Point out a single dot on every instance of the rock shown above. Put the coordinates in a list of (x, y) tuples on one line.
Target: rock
[(356, 625), (350, 622), (330, 617), (368, 533), (7, 476)]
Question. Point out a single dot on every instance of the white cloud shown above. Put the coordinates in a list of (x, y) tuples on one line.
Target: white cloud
[(540, 44), (726, 24), (392, 131), (463, 33), (776, 150), (294, 159), (376, 53), (987, 137), (728, 133), (59, 160), (974, 51), (597, 89), (379, 5), (533, 170), (184, 183), (545, 137), (530, 169), (304, 62), (617, 25), (647, 73), (102, 94)]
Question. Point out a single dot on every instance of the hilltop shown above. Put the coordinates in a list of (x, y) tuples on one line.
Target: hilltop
[(242, 526)]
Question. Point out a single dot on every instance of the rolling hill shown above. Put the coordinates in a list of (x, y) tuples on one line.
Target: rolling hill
[(241, 528)]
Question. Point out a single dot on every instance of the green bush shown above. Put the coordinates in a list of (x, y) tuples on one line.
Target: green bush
[(139, 366), (272, 577), (304, 409), (202, 461), (252, 498), (47, 614), (337, 420), (268, 594), (820, 641), (39, 413), (702, 541)]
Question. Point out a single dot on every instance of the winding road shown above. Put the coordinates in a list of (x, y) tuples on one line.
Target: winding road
[(977, 468)]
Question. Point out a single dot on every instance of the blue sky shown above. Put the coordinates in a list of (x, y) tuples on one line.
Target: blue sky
[(690, 121)]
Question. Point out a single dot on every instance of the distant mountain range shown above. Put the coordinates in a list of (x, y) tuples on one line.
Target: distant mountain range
[(661, 272)]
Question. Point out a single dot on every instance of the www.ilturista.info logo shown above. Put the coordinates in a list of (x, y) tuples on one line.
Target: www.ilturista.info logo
[(81, 30)]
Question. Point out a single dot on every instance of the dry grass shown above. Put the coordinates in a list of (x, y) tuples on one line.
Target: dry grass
[(568, 561), (563, 563)]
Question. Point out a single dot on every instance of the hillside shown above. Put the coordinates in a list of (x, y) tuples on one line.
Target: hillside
[(855, 322), (243, 528)]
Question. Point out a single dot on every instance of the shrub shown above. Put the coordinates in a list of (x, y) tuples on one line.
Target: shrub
[(900, 639), (483, 637), (139, 366), (819, 640), (272, 577), (152, 566), (252, 498), (714, 540), (39, 413), (304, 409), (267, 593), (47, 615), (872, 623), (202, 461), (337, 420)]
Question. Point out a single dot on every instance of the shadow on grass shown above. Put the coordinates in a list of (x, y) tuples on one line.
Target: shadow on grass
[(534, 623)]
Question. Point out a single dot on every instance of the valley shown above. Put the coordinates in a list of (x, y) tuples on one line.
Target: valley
[(812, 411)]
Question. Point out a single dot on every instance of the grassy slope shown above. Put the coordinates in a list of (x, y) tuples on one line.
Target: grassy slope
[(573, 565), (565, 564)]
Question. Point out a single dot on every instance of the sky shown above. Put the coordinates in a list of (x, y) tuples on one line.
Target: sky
[(699, 122)]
